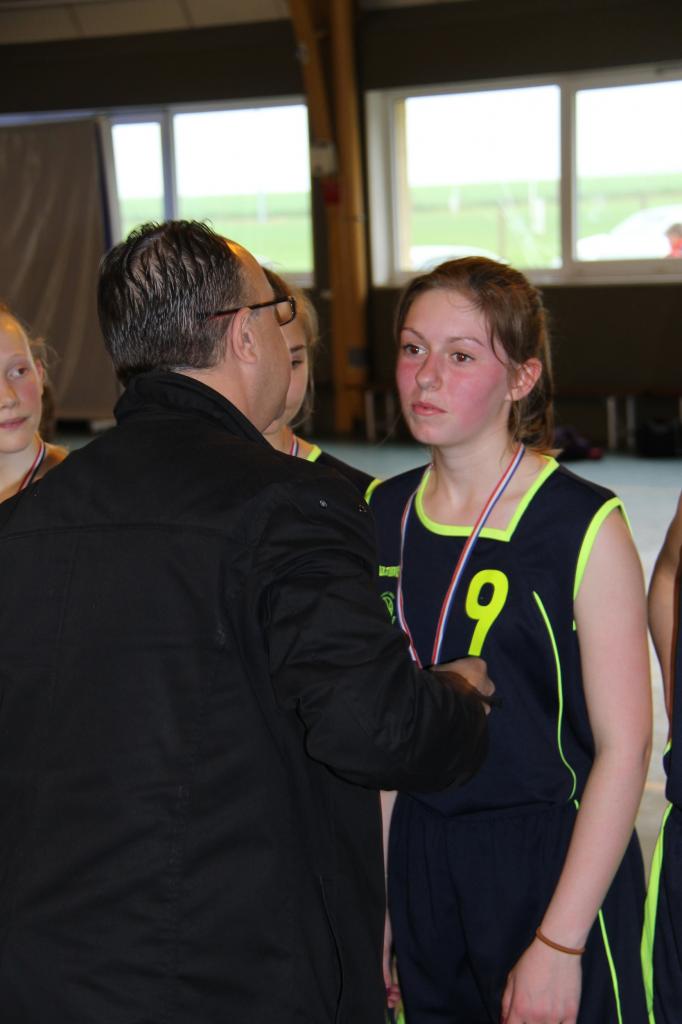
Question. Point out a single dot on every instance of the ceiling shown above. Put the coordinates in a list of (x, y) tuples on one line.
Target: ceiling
[(32, 21)]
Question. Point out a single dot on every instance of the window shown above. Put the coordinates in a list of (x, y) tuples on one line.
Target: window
[(483, 177), (629, 171), (577, 178), (138, 164), (248, 172)]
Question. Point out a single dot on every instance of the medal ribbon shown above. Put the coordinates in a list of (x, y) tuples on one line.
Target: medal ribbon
[(35, 466), (293, 450), (462, 561)]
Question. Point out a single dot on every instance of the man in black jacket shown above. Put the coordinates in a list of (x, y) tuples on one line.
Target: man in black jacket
[(200, 693)]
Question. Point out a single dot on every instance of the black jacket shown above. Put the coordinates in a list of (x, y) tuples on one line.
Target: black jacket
[(199, 696)]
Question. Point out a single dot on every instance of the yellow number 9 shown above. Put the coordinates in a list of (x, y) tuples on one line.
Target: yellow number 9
[(485, 614)]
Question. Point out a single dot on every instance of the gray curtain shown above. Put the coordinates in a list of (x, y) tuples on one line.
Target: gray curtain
[(52, 237)]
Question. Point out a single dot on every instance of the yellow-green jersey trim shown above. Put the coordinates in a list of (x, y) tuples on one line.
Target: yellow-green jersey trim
[(668, 747), (612, 966), (560, 691), (487, 531), (371, 489), (590, 537), (551, 466), (314, 453), (650, 909)]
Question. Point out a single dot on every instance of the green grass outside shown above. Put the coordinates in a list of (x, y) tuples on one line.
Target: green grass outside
[(498, 217), (492, 216), (280, 232), (486, 227), (589, 189)]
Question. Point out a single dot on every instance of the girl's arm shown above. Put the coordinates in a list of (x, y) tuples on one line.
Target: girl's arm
[(663, 603), (610, 613), (392, 989), (387, 804)]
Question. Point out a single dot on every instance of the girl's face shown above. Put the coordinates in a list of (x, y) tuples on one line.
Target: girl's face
[(454, 388), (294, 335), (21, 388)]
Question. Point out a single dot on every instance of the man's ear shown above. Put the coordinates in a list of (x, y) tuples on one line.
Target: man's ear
[(242, 339), (524, 378)]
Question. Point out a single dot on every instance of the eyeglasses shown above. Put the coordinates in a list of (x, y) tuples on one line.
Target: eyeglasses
[(285, 309)]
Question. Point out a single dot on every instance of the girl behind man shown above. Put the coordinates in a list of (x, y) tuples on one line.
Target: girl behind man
[(302, 335)]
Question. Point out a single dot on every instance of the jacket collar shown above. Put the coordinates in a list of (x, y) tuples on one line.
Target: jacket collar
[(165, 391)]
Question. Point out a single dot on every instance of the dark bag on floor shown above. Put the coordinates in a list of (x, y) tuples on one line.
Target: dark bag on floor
[(659, 438)]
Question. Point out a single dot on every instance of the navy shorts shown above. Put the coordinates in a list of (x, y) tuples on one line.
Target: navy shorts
[(466, 895)]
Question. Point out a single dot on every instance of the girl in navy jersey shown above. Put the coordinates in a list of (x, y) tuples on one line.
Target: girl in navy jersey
[(301, 335), (517, 897), (24, 455)]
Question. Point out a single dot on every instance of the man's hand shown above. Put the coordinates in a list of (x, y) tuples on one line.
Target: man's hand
[(469, 673)]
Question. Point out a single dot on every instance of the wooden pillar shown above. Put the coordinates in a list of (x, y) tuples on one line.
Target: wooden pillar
[(337, 162)]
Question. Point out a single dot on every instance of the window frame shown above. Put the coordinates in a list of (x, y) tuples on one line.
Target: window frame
[(167, 162), (386, 177)]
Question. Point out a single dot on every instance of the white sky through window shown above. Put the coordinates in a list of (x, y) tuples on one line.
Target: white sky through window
[(222, 152), (513, 134)]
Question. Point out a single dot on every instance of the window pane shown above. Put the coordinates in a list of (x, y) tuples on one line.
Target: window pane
[(247, 171), (483, 177), (139, 173), (629, 172)]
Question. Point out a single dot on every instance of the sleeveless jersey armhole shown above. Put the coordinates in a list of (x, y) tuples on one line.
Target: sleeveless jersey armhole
[(591, 535), (371, 489)]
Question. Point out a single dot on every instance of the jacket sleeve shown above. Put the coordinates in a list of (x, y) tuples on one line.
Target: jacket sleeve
[(335, 659)]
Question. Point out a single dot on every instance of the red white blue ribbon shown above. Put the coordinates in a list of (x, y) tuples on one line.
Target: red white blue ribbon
[(462, 561), (293, 449)]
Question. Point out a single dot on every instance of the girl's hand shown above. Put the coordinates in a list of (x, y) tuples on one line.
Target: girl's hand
[(543, 988), (392, 988)]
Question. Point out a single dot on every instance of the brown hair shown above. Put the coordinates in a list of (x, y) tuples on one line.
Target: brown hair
[(38, 347), (307, 314), (516, 318)]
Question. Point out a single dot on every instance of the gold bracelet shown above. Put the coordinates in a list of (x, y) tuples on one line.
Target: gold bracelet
[(556, 945)]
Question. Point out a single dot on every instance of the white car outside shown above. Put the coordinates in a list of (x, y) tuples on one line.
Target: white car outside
[(641, 236)]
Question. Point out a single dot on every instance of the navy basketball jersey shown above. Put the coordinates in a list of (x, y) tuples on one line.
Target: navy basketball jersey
[(362, 481), (514, 607)]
